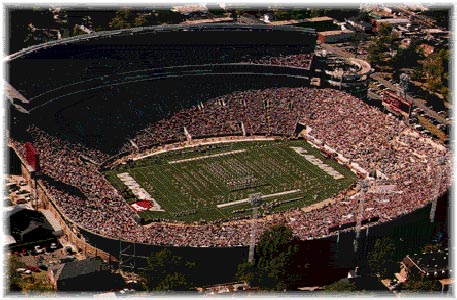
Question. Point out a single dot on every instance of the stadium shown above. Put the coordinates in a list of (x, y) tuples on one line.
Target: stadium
[(205, 136)]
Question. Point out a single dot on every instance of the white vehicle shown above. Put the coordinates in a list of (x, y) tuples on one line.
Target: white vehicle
[(27, 272), (21, 270), (53, 246)]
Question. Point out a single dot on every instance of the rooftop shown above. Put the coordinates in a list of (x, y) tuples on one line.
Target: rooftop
[(79, 267), (215, 20), (334, 32), (393, 21), (298, 21), (432, 261)]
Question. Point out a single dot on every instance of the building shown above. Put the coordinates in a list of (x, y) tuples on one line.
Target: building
[(347, 74), (91, 274), (335, 36), (226, 288), (30, 226), (188, 9), (394, 22), (207, 21), (435, 32), (430, 265), (359, 24), (249, 19), (85, 29)]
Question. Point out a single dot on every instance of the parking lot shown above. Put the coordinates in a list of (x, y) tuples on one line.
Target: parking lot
[(46, 256), (18, 190)]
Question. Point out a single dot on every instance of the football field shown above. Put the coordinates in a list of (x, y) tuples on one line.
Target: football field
[(213, 182)]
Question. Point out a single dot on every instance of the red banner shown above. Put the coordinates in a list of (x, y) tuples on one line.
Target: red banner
[(32, 157)]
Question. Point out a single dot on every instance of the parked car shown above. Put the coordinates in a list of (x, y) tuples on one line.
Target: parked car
[(21, 270), (27, 272)]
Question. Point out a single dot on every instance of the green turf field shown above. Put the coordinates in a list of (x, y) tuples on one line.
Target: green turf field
[(189, 184)]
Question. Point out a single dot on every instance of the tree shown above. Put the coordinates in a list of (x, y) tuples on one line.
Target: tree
[(418, 73), (315, 12), (122, 19), (246, 272), (167, 272), (364, 16), (141, 21), (406, 58), (385, 41), (415, 283), (277, 260), (25, 284), (77, 30), (13, 276), (436, 68), (380, 259), (376, 52), (341, 286), (173, 282), (431, 248)]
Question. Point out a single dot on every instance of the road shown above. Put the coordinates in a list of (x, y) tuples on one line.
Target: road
[(422, 20), (417, 102)]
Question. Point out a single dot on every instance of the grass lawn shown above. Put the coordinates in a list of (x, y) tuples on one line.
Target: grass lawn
[(189, 183)]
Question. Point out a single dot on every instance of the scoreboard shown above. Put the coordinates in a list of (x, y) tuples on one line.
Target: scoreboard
[(396, 103)]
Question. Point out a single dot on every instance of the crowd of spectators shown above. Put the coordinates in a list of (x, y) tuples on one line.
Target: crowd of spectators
[(362, 134), (297, 60)]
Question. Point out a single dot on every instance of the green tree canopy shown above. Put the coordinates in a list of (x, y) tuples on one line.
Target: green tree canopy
[(415, 283), (431, 248), (77, 31), (383, 42), (341, 286), (380, 259), (167, 272), (436, 68), (122, 20), (406, 58), (277, 260), (364, 16)]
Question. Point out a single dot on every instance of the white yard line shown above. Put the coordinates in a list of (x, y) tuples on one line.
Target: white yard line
[(263, 196), (206, 156), (204, 141)]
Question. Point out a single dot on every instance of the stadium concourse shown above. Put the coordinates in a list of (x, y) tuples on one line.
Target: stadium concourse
[(412, 164)]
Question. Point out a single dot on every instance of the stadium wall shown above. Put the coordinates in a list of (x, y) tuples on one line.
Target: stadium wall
[(70, 231)]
